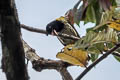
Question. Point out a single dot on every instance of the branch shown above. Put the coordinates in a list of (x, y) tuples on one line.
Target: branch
[(115, 53), (65, 74), (13, 56), (44, 32), (40, 63), (1, 35), (97, 61), (32, 29)]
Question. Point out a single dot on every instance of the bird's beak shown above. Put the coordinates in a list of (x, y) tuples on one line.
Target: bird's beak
[(55, 33)]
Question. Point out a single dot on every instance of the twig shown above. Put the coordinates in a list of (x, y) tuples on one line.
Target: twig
[(32, 29), (44, 32), (40, 63), (97, 61), (116, 54)]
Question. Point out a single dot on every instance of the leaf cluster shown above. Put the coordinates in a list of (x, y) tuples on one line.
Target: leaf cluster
[(98, 39)]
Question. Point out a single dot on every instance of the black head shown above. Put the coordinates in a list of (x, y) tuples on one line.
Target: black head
[(54, 25)]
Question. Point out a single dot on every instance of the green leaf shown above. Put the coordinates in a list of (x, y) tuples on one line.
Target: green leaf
[(109, 45), (93, 57), (93, 50), (90, 15), (113, 2), (117, 58), (99, 46), (94, 42), (98, 12), (84, 42), (108, 35), (89, 29)]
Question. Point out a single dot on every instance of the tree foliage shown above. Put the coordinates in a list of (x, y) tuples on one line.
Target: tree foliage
[(98, 39)]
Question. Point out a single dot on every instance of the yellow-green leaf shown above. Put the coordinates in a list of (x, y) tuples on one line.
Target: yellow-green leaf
[(115, 25), (73, 56)]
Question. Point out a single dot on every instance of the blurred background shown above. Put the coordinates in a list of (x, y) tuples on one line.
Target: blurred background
[(38, 13)]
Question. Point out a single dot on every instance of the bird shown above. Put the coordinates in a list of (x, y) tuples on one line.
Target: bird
[(62, 25)]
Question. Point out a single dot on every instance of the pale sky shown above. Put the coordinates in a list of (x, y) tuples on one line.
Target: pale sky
[(38, 13)]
